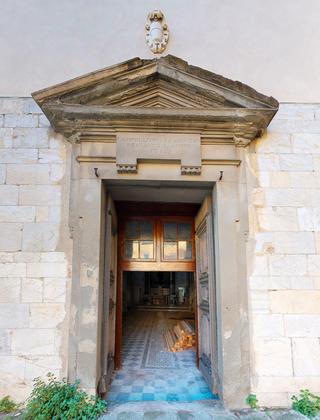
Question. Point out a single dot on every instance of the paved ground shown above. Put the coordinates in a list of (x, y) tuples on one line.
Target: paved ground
[(199, 410), (149, 371)]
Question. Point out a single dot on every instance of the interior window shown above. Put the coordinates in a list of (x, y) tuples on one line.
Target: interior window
[(139, 241), (177, 241)]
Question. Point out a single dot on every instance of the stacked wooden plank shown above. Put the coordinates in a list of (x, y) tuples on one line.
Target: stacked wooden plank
[(181, 337)]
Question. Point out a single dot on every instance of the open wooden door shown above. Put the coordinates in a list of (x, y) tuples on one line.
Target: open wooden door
[(109, 298), (206, 300)]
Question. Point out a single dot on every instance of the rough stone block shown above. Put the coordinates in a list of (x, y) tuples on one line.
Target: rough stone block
[(279, 282), (12, 269), (46, 315), (20, 120), (260, 266), (11, 105), (11, 235), (57, 141), (276, 399), (294, 243), (40, 195), (11, 370), (280, 179), (54, 290), (260, 301), (6, 257), (306, 218), (52, 257), (17, 214), (30, 106), (9, 195), (43, 121), (55, 214), (50, 156), (306, 356), (10, 290), (14, 315), (296, 111), (273, 356), (286, 197), (40, 236), (5, 342), (259, 282), (314, 197), (6, 138), (47, 269), (34, 138), (268, 325), (295, 126), (306, 143), (295, 301), (42, 214), (314, 265), (304, 180), (2, 174), (56, 172), (296, 162), (272, 142), (267, 162), (27, 257), (28, 174), (34, 341), (288, 265), (302, 325), (39, 366), (304, 282), (18, 155), (32, 290), (278, 218), (264, 243)]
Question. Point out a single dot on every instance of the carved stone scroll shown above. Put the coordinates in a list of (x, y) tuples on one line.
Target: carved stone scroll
[(184, 148)]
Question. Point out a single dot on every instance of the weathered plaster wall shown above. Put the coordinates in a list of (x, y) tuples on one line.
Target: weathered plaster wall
[(285, 255), (270, 45), (34, 247)]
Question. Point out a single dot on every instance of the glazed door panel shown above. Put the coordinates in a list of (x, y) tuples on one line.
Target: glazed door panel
[(206, 308)]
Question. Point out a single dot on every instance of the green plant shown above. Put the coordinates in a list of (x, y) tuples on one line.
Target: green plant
[(307, 403), (7, 405), (60, 400), (252, 401)]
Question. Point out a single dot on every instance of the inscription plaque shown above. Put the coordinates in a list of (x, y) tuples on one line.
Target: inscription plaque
[(135, 147)]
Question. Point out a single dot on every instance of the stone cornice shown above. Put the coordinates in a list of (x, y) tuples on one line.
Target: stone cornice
[(162, 95)]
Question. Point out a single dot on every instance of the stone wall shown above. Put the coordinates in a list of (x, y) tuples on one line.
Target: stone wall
[(283, 251), (285, 241), (34, 271)]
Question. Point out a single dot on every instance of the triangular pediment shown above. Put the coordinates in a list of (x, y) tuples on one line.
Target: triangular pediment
[(154, 90)]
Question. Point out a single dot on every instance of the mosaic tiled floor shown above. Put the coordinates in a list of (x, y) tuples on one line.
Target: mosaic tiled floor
[(149, 371)]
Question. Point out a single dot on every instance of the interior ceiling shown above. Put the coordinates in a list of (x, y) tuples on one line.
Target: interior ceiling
[(158, 191)]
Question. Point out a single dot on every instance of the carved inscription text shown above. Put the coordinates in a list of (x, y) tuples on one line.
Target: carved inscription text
[(184, 148)]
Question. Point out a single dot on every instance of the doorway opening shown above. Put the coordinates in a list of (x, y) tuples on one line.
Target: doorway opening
[(155, 305), (163, 289)]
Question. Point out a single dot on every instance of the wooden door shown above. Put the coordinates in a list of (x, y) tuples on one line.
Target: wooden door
[(109, 298), (206, 307)]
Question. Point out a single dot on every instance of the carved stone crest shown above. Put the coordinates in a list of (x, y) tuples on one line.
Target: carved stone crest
[(157, 33)]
